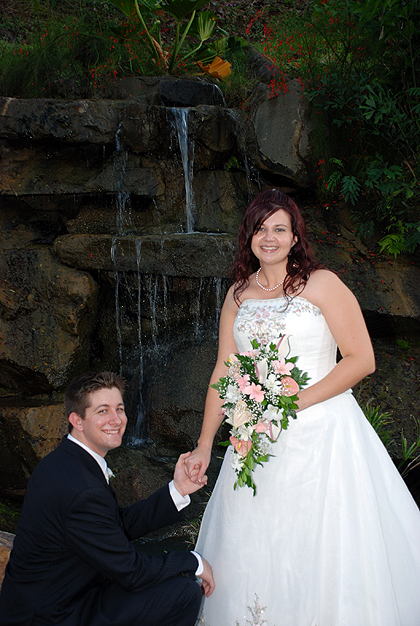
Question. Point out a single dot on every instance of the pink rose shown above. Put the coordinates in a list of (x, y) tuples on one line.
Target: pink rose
[(241, 447), (290, 386)]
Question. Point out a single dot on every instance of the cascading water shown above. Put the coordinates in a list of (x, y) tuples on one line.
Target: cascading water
[(117, 303), (157, 303), (138, 436), (186, 146), (197, 322), (241, 143)]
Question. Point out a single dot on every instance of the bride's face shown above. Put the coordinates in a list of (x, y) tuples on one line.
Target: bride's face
[(274, 239)]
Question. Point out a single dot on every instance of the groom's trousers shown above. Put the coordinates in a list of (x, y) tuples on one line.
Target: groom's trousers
[(175, 602)]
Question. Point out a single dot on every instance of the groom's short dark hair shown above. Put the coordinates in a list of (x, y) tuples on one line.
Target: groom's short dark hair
[(76, 397)]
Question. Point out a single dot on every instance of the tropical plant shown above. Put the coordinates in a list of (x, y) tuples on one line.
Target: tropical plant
[(189, 22)]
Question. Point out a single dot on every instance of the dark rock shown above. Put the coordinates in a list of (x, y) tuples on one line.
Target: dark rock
[(195, 254), (47, 316), (189, 93), (174, 413), (28, 434)]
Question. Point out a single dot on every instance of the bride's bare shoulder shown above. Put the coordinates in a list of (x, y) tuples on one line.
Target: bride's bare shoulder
[(323, 277), (235, 298), (321, 285)]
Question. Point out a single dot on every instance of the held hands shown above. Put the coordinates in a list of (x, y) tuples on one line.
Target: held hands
[(182, 482), (196, 464)]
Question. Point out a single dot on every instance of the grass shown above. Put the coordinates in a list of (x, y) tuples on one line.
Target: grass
[(9, 515)]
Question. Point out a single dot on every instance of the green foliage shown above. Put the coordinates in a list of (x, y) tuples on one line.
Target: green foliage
[(9, 515), (83, 45), (379, 420), (358, 62), (188, 23), (410, 453), (71, 48)]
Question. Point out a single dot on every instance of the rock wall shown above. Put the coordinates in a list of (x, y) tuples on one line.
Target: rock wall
[(112, 257)]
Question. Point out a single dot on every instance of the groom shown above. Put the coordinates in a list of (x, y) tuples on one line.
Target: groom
[(73, 562)]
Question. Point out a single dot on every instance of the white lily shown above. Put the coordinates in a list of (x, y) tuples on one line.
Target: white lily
[(261, 368), (283, 347), (274, 431), (273, 384), (272, 413)]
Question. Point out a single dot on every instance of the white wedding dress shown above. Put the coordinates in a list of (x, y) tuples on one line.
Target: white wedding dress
[(332, 537)]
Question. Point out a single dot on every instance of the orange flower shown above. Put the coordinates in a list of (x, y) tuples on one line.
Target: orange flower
[(217, 68)]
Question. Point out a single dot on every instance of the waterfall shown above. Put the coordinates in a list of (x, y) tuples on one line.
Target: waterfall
[(219, 300), (123, 197), (198, 312), (138, 436), (241, 143), (117, 303), (152, 291), (186, 147)]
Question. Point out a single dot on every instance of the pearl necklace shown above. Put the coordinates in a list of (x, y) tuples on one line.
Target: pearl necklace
[(266, 288)]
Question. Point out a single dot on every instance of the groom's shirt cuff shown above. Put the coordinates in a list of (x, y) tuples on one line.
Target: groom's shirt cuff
[(180, 501), (200, 567)]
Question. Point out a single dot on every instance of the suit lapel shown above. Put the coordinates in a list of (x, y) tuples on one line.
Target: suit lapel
[(87, 459)]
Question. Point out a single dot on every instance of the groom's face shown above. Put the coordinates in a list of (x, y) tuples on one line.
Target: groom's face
[(104, 423)]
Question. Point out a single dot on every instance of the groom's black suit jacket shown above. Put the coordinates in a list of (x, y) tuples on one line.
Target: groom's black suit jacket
[(72, 537)]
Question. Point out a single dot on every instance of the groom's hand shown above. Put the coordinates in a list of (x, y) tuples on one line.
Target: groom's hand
[(182, 481), (207, 582)]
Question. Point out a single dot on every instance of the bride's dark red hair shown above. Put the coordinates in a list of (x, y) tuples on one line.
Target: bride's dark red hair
[(301, 261)]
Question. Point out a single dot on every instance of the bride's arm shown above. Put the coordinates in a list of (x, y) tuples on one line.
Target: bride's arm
[(198, 461), (345, 320)]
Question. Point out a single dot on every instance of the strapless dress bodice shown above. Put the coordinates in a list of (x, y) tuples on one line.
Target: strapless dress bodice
[(310, 338)]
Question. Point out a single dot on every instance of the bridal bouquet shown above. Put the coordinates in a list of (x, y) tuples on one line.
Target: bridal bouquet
[(259, 394)]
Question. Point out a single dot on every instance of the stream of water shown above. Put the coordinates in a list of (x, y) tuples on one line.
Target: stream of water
[(186, 146)]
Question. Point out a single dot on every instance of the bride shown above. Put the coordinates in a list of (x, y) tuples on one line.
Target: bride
[(332, 537)]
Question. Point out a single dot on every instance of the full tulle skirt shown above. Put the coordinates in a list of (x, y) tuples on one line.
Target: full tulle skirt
[(331, 538)]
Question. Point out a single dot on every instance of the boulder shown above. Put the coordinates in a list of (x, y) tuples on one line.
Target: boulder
[(174, 410), (28, 434), (80, 121), (193, 255), (47, 316), (282, 125)]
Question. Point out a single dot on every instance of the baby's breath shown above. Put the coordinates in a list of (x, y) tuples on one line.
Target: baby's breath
[(260, 393)]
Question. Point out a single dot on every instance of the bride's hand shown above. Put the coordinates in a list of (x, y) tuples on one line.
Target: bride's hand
[(197, 463)]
